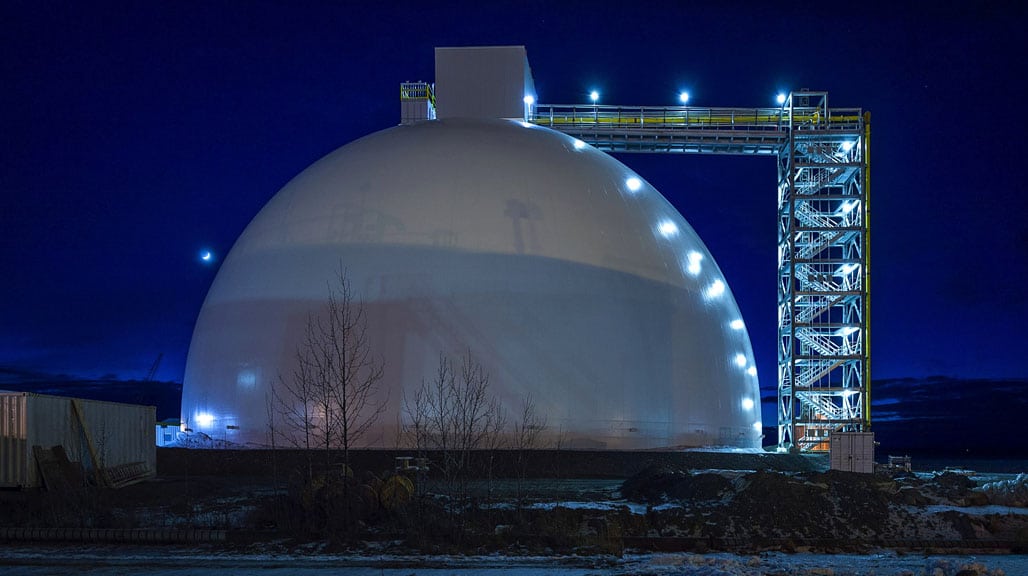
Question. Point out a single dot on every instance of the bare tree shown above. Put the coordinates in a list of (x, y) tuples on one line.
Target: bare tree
[(296, 402), (329, 403), (529, 427), (455, 415), (526, 437)]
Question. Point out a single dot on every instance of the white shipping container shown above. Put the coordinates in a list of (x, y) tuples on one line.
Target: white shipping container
[(852, 451), (121, 434)]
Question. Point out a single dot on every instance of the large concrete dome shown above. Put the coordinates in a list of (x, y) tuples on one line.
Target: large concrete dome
[(565, 275)]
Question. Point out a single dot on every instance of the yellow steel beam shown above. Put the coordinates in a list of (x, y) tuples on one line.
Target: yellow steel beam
[(867, 269)]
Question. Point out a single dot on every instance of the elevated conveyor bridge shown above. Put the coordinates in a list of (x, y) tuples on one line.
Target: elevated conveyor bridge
[(739, 131), (824, 381)]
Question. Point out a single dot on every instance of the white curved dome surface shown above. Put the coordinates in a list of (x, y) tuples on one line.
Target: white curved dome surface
[(567, 276)]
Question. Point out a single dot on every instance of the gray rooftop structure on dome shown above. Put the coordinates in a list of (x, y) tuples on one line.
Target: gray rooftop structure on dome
[(482, 82)]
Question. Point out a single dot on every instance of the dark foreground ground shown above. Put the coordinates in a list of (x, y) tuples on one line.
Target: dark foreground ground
[(556, 503), (498, 463)]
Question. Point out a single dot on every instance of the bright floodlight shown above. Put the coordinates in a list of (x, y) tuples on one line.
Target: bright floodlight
[(747, 403), (737, 324), (846, 268), (781, 98), (667, 228), (740, 360), (594, 96), (848, 145), (579, 144), (693, 268), (757, 426), (204, 419), (716, 289), (634, 184), (529, 99), (683, 97), (752, 370)]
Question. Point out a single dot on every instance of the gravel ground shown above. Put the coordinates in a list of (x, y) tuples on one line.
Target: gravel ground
[(166, 561)]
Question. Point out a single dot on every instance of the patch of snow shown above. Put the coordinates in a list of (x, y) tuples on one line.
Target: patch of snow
[(1012, 491), (608, 505), (971, 510), (727, 450)]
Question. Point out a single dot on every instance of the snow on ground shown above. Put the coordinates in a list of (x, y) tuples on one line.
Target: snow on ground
[(969, 510), (1008, 491), (727, 450), (108, 561)]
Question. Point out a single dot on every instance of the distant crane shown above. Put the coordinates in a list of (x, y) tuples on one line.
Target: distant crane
[(153, 369)]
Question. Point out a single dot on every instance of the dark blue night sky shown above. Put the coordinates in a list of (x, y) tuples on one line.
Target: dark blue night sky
[(135, 135)]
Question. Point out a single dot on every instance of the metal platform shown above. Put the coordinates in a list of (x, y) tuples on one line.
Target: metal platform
[(659, 129)]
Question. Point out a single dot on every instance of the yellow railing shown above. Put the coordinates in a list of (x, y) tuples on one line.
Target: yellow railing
[(417, 91), (687, 117)]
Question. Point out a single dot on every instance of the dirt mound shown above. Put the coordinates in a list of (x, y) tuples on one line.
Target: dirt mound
[(660, 483), (773, 504), (779, 505), (652, 484), (951, 488)]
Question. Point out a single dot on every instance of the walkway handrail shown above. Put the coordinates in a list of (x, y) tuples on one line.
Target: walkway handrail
[(685, 117)]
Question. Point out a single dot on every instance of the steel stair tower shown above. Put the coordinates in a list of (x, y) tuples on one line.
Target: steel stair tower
[(824, 381)]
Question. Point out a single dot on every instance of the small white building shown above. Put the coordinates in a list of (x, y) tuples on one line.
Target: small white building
[(167, 432), (113, 442)]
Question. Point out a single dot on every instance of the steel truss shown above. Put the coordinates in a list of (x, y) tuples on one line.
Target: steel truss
[(823, 282), (824, 381)]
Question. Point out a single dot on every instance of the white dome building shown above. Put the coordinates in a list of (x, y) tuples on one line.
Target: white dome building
[(567, 276)]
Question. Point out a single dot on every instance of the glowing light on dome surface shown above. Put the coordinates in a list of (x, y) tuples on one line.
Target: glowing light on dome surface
[(693, 267), (204, 419), (667, 228), (715, 290)]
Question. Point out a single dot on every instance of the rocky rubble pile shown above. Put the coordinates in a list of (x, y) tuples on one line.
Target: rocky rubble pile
[(828, 506)]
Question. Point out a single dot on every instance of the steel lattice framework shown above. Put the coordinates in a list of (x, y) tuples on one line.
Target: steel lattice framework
[(823, 281), (824, 382)]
